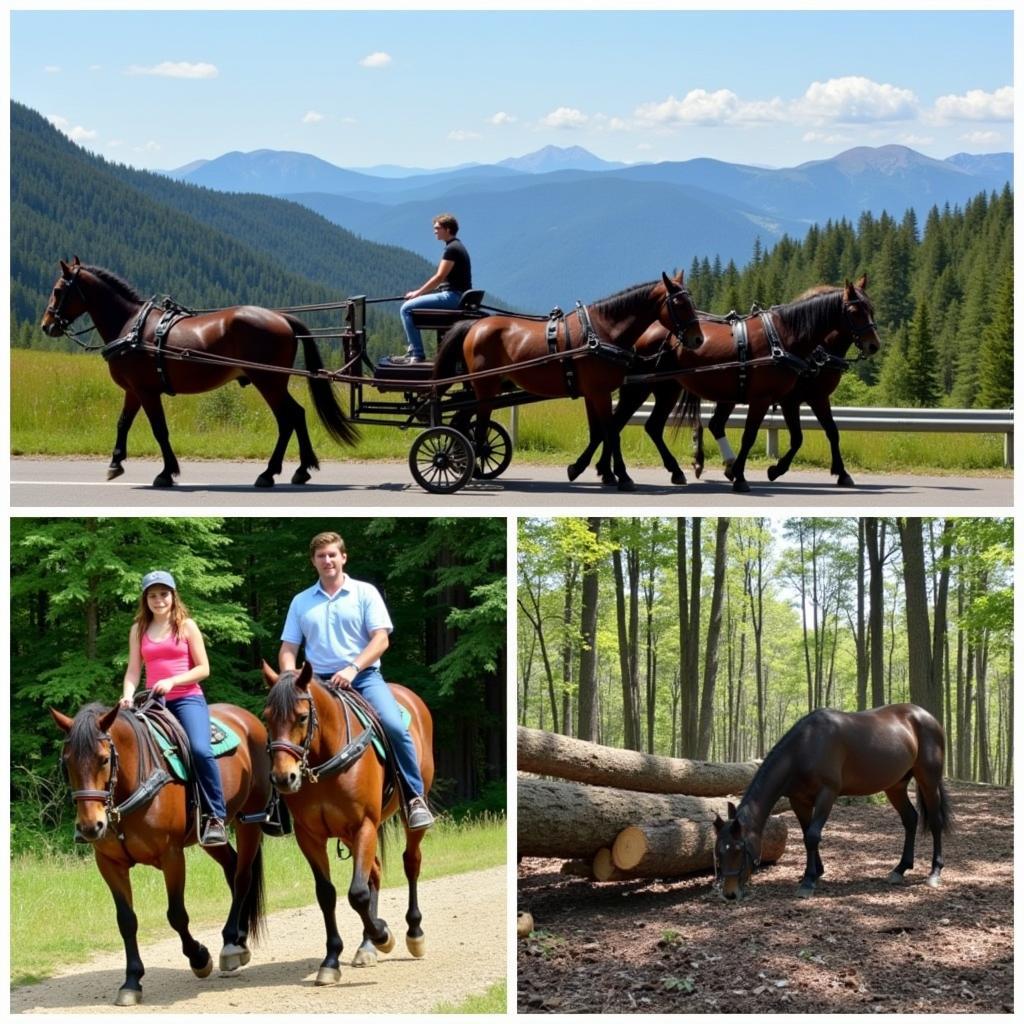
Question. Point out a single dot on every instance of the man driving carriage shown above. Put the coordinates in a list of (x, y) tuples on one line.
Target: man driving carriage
[(452, 277)]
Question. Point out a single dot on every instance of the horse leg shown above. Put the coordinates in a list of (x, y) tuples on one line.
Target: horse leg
[(755, 414), (812, 819), (366, 954), (315, 852), (719, 418), (275, 394), (129, 410), (603, 465), (415, 941), (698, 449), (362, 893), (905, 809), (119, 882), (666, 395), (823, 410), (934, 802), (791, 414), (243, 871), (307, 457), (158, 422), (173, 866)]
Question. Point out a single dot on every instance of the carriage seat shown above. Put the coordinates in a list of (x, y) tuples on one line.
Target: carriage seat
[(441, 319)]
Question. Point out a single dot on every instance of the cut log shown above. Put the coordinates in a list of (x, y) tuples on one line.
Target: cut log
[(677, 847), (604, 870), (579, 867), (524, 924), (545, 753), (563, 819)]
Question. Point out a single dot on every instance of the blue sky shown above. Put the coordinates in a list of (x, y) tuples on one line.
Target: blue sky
[(437, 88)]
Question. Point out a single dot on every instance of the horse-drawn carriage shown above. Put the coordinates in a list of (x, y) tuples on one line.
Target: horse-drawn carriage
[(642, 339)]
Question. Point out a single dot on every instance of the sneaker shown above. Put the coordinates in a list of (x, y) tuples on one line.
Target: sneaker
[(407, 360), (213, 833), (418, 815)]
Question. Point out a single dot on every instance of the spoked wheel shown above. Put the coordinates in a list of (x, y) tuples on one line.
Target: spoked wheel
[(441, 460), (494, 457)]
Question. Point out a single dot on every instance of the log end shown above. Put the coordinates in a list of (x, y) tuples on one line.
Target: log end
[(524, 924)]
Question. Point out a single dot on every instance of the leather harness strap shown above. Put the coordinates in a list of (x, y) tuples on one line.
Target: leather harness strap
[(172, 314), (568, 363), (739, 334)]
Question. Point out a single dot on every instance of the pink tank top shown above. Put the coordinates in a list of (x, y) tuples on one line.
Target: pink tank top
[(165, 658)]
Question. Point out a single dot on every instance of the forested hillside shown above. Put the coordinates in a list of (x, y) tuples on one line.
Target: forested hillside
[(943, 298), (203, 247), (709, 638), (74, 591)]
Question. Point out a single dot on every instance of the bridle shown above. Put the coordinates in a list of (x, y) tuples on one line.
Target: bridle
[(301, 753), (103, 796), (56, 309), (748, 860), (679, 327), (857, 333)]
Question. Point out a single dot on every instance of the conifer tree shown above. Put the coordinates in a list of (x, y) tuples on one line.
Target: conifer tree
[(995, 355)]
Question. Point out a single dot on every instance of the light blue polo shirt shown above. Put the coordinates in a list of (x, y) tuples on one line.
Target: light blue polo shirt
[(336, 629)]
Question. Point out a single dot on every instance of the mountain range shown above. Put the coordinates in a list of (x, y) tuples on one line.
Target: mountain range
[(560, 224)]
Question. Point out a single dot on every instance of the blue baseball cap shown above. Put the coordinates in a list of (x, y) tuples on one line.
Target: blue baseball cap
[(151, 579)]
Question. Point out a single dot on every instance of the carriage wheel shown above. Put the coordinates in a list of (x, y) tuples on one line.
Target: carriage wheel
[(441, 460), (494, 457)]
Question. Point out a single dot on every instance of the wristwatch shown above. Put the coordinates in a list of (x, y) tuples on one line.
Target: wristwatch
[(352, 664)]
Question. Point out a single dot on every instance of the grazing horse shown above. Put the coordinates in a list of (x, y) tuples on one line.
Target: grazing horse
[(108, 761), (152, 350), (595, 346), (828, 754), (814, 390), (769, 370), (310, 729)]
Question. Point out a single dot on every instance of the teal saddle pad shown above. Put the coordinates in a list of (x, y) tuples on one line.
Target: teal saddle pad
[(377, 745), (223, 739)]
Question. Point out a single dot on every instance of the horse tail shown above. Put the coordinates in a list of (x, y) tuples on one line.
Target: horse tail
[(449, 352), (686, 411), (943, 814), (255, 902), (332, 416)]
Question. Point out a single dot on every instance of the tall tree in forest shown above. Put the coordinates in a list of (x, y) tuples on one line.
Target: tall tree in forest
[(995, 351), (711, 647), (627, 605), (689, 631), (919, 638), (753, 539), (860, 634), (588, 707), (874, 536)]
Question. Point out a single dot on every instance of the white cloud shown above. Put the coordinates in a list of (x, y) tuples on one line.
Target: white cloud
[(915, 141), (176, 69), (977, 105), (982, 138), (700, 107), (376, 60), (855, 99), (312, 117), (830, 137), (462, 135), (74, 132), (565, 117), (501, 118)]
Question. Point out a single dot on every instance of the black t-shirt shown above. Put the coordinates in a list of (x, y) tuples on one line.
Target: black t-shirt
[(460, 277)]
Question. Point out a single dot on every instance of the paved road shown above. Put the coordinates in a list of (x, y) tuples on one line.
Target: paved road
[(80, 483)]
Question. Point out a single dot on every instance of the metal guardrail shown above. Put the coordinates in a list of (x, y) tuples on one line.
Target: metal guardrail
[(909, 421)]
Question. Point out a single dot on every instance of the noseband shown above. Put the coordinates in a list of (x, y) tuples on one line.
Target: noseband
[(301, 754), (56, 310), (679, 327), (857, 333), (103, 796), (748, 859)]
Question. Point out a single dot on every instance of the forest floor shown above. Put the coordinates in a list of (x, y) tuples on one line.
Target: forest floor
[(857, 946), (464, 920)]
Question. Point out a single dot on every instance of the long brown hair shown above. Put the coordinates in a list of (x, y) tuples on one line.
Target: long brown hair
[(144, 617)]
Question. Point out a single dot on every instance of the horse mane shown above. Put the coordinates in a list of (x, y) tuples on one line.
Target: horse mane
[(116, 282), (624, 301), (283, 697), (810, 313), (767, 770)]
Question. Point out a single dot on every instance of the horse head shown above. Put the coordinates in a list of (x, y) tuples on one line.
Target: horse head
[(89, 762), (290, 714), (67, 301), (736, 855), (679, 314), (859, 317)]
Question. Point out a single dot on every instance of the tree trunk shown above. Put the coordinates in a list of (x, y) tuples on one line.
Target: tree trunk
[(587, 722), (861, 631), (689, 632), (919, 640), (671, 848), (563, 819), (545, 753), (707, 700), (876, 610)]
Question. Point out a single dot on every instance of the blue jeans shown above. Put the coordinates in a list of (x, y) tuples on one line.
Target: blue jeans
[(194, 716), (370, 684), (432, 300)]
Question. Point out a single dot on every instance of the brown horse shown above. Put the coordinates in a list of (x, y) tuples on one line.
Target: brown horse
[(310, 729), (828, 754), (770, 371), (193, 354), (596, 345), (108, 763)]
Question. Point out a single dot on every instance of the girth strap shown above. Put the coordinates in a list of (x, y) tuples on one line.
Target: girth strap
[(133, 337), (568, 365), (172, 314), (739, 335)]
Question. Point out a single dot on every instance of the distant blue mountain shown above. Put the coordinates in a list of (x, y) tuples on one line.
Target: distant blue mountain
[(559, 158)]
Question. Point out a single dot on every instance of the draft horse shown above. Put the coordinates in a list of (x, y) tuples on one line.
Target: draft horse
[(310, 729), (828, 754), (151, 351), (108, 763), (596, 352), (761, 359)]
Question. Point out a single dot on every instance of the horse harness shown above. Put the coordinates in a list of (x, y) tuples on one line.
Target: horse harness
[(133, 338), (749, 859)]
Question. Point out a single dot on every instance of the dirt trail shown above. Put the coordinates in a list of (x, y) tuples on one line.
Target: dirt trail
[(464, 919)]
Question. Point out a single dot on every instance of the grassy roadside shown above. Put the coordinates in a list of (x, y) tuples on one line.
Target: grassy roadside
[(42, 940), (68, 405)]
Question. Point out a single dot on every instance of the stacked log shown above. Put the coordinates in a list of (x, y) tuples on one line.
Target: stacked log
[(626, 814)]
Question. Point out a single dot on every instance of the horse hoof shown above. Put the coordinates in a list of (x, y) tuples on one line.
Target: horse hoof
[(573, 471), (697, 471), (845, 480), (740, 486), (895, 878), (328, 976), (364, 957), (679, 479), (205, 970), (128, 997), (804, 891), (264, 480), (416, 945), (388, 944), (301, 476), (607, 480), (233, 957), (113, 472), (163, 480), (774, 473), (626, 485), (933, 881)]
